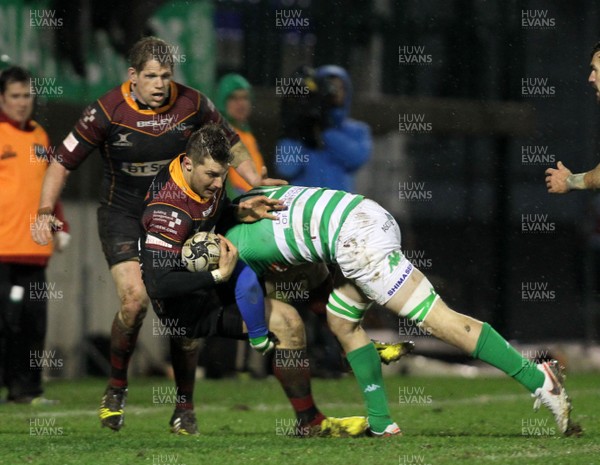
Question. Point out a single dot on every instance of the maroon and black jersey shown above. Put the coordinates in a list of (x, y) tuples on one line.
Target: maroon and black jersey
[(173, 213), (135, 143)]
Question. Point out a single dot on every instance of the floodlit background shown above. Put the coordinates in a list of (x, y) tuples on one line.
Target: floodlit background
[(499, 89)]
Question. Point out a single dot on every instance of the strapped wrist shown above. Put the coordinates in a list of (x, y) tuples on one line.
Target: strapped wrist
[(576, 181), (217, 276)]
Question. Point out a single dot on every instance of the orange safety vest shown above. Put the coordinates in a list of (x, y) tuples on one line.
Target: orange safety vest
[(23, 163)]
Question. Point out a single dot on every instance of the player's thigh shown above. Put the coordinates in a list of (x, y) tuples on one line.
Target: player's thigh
[(368, 252), (400, 298), (127, 277), (119, 234)]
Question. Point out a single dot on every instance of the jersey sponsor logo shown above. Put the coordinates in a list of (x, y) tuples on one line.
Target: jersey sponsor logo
[(389, 223), (160, 123), (123, 142), (153, 240), (89, 115), (70, 142), (399, 283), (149, 168), (175, 220)]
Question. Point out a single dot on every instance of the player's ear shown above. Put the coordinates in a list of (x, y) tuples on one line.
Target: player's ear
[(187, 163), (132, 75)]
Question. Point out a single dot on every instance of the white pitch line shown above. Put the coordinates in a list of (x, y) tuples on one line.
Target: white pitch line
[(276, 407)]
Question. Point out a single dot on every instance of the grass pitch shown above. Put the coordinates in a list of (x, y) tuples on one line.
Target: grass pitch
[(445, 421)]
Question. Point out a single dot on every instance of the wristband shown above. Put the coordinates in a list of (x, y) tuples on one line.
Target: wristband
[(576, 181), (217, 276)]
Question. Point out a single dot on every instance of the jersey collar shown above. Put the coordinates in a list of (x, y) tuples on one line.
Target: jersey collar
[(177, 176), (29, 124), (127, 95)]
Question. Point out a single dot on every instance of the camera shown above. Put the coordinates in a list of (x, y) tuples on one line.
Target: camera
[(304, 111)]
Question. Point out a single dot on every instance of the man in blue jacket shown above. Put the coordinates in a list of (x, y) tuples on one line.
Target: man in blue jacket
[(335, 146)]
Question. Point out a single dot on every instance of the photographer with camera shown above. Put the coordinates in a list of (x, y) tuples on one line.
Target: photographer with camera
[(320, 145)]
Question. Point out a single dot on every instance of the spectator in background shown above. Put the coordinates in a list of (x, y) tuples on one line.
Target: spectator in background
[(23, 290), (321, 145), (234, 101)]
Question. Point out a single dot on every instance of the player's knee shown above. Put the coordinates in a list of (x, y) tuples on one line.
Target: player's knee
[(344, 314), (341, 328), (134, 304), (287, 326)]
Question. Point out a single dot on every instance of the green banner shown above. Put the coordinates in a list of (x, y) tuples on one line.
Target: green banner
[(28, 39)]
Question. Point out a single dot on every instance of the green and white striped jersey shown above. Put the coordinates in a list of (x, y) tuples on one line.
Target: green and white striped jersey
[(306, 232)]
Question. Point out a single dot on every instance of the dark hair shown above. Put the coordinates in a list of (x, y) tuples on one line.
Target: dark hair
[(13, 74), (150, 48), (595, 49), (209, 141)]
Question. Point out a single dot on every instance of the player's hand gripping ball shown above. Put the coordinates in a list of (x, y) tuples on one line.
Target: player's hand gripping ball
[(201, 252)]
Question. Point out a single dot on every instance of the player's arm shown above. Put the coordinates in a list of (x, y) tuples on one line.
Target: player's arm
[(160, 256), (254, 208), (165, 277), (88, 133), (46, 222), (561, 180), (244, 165)]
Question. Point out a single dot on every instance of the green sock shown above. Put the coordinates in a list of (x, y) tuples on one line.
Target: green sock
[(366, 366), (495, 350)]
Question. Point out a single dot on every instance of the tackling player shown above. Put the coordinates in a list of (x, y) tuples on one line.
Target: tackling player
[(187, 197), (139, 127), (561, 180), (363, 240)]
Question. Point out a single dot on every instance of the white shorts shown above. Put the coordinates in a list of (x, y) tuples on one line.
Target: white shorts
[(368, 252)]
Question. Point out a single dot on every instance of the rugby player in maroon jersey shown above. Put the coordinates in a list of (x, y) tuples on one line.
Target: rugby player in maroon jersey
[(138, 127), (187, 197)]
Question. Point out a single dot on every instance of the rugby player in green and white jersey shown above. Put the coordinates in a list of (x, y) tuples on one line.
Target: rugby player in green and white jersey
[(363, 240)]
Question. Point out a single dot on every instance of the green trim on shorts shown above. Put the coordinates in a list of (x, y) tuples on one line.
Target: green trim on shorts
[(343, 309), (420, 311)]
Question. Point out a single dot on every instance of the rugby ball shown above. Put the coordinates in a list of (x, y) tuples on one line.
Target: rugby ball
[(201, 252)]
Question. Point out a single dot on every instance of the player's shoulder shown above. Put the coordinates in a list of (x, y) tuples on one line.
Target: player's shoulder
[(107, 103), (189, 94), (113, 97)]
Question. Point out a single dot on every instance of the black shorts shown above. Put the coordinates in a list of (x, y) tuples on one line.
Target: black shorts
[(201, 315), (119, 235)]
